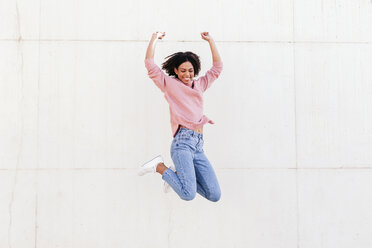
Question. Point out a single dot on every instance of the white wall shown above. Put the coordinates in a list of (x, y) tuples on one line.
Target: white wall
[(292, 143)]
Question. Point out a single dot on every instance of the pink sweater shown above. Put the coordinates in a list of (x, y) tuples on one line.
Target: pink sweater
[(185, 101)]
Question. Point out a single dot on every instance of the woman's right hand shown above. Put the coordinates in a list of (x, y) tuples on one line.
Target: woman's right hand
[(158, 35), (151, 47)]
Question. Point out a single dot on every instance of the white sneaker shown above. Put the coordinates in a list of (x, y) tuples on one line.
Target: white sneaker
[(150, 167), (166, 186)]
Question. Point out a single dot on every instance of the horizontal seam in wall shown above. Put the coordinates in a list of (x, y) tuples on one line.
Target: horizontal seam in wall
[(191, 41), (131, 169)]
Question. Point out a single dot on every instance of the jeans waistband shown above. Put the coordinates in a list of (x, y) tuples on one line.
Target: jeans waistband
[(190, 132)]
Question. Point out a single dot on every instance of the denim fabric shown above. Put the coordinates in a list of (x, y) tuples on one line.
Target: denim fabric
[(194, 171)]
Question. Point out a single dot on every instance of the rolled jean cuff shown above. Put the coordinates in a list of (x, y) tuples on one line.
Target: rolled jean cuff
[(166, 173)]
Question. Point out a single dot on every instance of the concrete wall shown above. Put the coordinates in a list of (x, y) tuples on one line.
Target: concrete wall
[(292, 143)]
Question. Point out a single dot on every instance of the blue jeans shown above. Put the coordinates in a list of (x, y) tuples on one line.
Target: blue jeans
[(194, 171)]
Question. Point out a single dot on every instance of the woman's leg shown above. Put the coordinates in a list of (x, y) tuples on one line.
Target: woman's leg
[(207, 183), (184, 182)]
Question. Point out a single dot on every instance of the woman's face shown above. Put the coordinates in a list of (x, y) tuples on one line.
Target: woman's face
[(185, 72)]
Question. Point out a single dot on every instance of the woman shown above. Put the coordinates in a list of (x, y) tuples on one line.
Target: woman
[(194, 173)]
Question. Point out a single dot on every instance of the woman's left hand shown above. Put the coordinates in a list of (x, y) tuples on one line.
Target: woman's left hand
[(206, 36)]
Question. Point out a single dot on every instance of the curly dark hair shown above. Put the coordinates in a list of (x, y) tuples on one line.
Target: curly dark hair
[(176, 59)]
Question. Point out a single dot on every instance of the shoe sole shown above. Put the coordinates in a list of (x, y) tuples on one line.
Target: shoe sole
[(139, 171)]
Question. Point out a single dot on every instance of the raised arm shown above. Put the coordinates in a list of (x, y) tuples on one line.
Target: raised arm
[(151, 48), (215, 55), (212, 74), (154, 72)]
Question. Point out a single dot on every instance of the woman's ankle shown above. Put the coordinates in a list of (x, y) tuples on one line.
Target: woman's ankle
[(160, 168)]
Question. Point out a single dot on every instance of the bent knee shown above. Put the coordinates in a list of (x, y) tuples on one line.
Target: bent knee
[(215, 196), (188, 196)]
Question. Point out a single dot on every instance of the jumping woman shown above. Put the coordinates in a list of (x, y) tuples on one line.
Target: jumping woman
[(193, 172)]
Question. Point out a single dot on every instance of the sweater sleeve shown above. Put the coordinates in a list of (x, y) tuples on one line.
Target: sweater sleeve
[(211, 75), (155, 73)]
